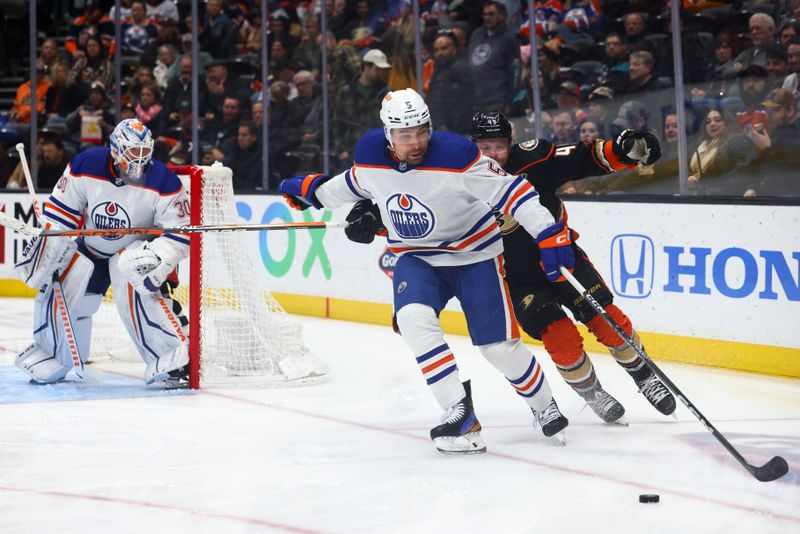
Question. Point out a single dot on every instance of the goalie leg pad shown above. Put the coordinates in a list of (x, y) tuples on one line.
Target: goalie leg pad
[(40, 365), (50, 334), (420, 329), (521, 369), (156, 331)]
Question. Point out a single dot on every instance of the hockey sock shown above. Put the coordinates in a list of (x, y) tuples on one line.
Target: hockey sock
[(420, 329), (620, 350), (522, 371), (565, 346)]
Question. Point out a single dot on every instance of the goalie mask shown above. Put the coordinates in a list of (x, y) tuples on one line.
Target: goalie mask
[(132, 150)]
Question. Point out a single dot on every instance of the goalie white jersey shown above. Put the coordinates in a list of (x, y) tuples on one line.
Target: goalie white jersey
[(441, 209), (90, 193)]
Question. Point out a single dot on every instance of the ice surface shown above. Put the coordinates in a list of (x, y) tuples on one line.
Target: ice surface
[(353, 454)]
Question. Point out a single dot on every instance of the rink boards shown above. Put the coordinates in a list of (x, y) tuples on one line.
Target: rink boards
[(714, 285)]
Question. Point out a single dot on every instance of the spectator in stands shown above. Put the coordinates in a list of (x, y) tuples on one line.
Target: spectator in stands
[(179, 138), (598, 109), (222, 130), (167, 35), (21, 112), (138, 30), (786, 33), (778, 145), (721, 151), (142, 76), (589, 131), (124, 11), (753, 88), (280, 64), (777, 65), (278, 101), (615, 59), (344, 63), (96, 106), (127, 111), (62, 99), (762, 33), (92, 66), (162, 10), (299, 108), (52, 162), (203, 57), (564, 130), (308, 55), (91, 23), (150, 111), (218, 32), (568, 99), (244, 158), (279, 23), (641, 78), (180, 89), (219, 85), (8, 139), (257, 114), (632, 115), (494, 58), (248, 38), (167, 55), (357, 105), (634, 32), (49, 54), (791, 83), (719, 75), (451, 88)]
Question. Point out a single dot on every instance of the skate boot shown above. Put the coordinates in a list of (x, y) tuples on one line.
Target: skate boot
[(656, 393), (551, 421), (460, 430), (177, 378), (605, 406)]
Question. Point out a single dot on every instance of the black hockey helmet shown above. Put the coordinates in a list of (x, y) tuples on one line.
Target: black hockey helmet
[(490, 125)]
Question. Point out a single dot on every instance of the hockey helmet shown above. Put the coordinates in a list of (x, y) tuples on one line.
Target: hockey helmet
[(490, 125), (404, 108), (132, 149)]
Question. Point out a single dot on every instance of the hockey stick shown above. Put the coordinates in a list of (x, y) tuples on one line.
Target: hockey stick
[(24, 228), (58, 289), (773, 469)]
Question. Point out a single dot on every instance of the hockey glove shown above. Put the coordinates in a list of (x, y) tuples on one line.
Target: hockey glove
[(365, 222), (632, 146), (555, 250), (143, 268), (299, 191)]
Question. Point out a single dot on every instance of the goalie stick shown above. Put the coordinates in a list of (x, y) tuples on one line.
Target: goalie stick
[(772, 470), (32, 231), (58, 289)]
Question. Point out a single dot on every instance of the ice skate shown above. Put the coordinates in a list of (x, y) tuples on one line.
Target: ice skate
[(459, 432), (605, 406), (657, 394), (552, 422), (177, 379)]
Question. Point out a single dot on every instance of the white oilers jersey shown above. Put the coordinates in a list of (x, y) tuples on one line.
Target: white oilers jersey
[(90, 194), (441, 209)]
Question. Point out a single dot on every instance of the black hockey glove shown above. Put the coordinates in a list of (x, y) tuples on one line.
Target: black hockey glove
[(632, 146), (365, 222)]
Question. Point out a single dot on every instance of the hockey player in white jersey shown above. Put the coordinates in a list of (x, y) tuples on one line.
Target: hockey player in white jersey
[(436, 192), (109, 187)]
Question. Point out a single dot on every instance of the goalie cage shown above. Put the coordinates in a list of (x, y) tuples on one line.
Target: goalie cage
[(245, 336)]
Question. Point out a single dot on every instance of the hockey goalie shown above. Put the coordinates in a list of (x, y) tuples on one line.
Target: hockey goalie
[(109, 187)]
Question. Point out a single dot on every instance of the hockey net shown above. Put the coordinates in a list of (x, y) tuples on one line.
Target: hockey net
[(244, 336)]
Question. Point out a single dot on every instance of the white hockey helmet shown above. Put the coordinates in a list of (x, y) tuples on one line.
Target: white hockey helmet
[(132, 149), (403, 109)]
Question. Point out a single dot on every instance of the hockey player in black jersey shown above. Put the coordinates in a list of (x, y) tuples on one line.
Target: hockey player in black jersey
[(540, 297)]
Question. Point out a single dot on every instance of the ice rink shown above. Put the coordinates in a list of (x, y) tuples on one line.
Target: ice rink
[(353, 454)]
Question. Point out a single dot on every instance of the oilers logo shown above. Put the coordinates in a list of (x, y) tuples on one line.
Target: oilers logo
[(410, 218), (110, 215)]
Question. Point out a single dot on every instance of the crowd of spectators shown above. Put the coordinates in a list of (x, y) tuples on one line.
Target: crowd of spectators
[(603, 66)]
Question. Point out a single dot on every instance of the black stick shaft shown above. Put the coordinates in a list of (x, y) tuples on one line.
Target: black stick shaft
[(660, 374)]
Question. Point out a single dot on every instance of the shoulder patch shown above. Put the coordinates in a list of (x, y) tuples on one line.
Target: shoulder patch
[(529, 145)]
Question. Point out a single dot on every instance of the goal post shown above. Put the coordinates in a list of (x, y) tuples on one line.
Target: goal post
[(238, 333)]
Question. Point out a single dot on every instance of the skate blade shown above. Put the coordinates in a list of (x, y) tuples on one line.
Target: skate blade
[(471, 443), (620, 422), (559, 439)]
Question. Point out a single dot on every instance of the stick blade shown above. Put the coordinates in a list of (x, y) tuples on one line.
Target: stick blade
[(772, 470)]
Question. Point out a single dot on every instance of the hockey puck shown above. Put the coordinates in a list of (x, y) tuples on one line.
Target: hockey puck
[(648, 497)]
